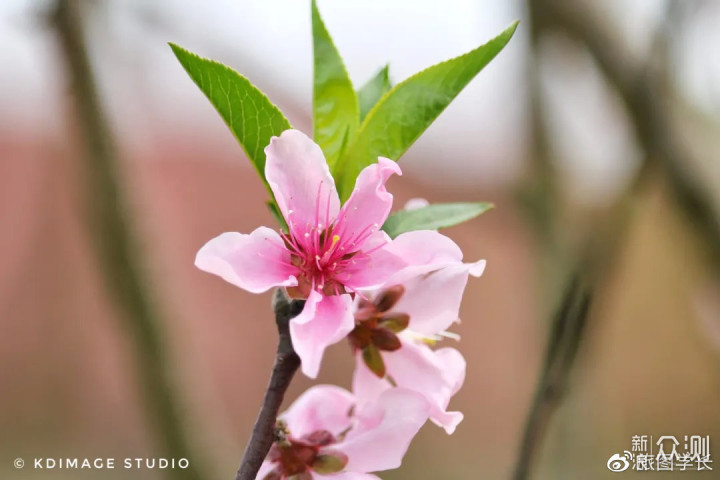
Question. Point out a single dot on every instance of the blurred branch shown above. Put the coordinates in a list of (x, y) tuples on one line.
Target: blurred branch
[(286, 364), (568, 324), (643, 89), (115, 244), (565, 334), (538, 194), (645, 92)]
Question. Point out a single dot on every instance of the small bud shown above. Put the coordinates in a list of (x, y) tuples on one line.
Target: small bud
[(365, 311), (360, 337), (395, 322), (329, 461), (389, 297), (281, 432), (385, 340), (373, 360)]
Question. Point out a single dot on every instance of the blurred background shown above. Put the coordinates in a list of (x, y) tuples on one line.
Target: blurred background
[(596, 133)]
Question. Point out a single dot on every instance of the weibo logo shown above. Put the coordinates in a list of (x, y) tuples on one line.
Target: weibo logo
[(619, 463)]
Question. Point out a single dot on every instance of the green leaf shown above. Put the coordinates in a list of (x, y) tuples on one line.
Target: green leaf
[(432, 217), (252, 118), (410, 107), (373, 90), (335, 105)]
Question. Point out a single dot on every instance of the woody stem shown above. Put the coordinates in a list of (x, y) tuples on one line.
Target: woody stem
[(286, 364)]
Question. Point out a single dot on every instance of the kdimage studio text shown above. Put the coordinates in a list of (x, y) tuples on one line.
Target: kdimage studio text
[(110, 463)]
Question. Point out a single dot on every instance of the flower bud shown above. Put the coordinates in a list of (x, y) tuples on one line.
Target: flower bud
[(329, 461), (374, 361)]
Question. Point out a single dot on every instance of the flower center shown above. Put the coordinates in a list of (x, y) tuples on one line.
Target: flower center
[(321, 259), (326, 250), (376, 328), (296, 458)]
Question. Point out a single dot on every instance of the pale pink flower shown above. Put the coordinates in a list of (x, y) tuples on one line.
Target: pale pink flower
[(330, 435), (328, 253), (396, 324)]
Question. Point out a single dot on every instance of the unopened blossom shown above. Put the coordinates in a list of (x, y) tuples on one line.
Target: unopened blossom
[(396, 325), (328, 253), (327, 433), (416, 203)]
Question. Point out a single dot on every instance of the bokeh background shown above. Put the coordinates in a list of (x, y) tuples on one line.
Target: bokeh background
[(596, 133)]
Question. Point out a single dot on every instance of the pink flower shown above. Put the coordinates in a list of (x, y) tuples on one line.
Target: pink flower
[(396, 324), (329, 434), (328, 253)]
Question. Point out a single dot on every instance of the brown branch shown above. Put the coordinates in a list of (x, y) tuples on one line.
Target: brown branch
[(115, 244), (286, 364)]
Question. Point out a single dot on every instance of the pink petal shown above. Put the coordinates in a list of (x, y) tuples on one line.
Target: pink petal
[(432, 299), (437, 375), (324, 320), (425, 247), (300, 179), (344, 476), (434, 279), (255, 262), (369, 204), (322, 407), (372, 270), (265, 468), (454, 367), (384, 431), (366, 386), (476, 269)]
